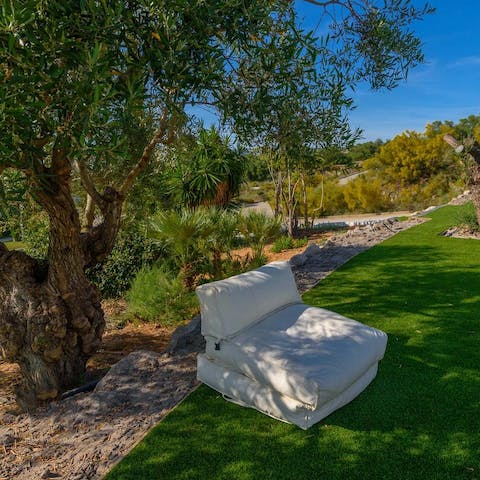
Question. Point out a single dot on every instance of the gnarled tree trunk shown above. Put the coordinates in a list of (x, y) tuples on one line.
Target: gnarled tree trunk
[(51, 319), (471, 151)]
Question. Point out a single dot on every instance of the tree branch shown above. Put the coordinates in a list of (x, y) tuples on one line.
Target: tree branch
[(454, 143), (88, 214), (98, 242), (146, 155), (88, 184)]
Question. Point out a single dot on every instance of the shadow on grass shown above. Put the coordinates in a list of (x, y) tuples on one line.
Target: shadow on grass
[(419, 419)]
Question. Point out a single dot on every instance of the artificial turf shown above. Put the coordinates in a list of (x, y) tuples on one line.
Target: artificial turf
[(419, 419)]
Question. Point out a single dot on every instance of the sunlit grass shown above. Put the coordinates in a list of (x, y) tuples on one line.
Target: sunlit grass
[(419, 419)]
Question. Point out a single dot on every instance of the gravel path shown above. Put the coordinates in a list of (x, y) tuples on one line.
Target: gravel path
[(84, 436)]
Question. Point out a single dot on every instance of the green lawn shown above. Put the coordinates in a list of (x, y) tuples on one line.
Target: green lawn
[(419, 419)]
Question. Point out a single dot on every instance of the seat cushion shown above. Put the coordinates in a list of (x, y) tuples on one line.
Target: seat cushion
[(309, 354), (228, 306)]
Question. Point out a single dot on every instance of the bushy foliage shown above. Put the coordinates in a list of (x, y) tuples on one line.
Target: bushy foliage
[(363, 151), (326, 198), (412, 171), (156, 295), (258, 229), (207, 170), (35, 232), (132, 252), (199, 241), (467, 217), (286, 243), (256, 168), (185, 233), (365, 195)]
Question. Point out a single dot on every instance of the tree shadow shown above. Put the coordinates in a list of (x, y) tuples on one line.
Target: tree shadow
[(418, 419)]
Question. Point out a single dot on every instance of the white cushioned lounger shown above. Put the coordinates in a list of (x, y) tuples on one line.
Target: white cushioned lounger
[(268, 350)]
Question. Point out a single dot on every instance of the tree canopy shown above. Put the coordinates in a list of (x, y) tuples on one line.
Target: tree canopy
[(94, 91)]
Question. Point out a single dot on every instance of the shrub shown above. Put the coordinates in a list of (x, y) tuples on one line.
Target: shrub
[(468, 218), (259, 229), (286, 243), (115, 274), (366, 195), (185, 232), (158, 296), (326, 200)]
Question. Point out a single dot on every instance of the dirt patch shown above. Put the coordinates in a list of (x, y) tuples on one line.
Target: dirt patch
[(317, 237)]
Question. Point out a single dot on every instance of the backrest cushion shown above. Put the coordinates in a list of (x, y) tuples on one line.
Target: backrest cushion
[(230, 305)]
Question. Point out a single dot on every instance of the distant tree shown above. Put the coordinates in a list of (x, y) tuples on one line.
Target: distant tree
[(409, 170), (363, 151), (369, 41), (256, 167), (467, 127)]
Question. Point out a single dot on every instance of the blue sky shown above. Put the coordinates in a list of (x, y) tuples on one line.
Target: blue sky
[(446, 87)]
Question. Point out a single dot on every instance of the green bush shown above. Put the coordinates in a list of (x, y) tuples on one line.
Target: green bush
[(35, 235), (326, 200), (115, 274), (286, 243), (158, 296), (467, 218), (366, 195), (259, 229)]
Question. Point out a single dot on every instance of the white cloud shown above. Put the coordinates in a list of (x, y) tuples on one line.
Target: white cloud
[(465, 62)]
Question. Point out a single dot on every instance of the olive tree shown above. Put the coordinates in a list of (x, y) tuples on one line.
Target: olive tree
[(76, 75), (306, 100)]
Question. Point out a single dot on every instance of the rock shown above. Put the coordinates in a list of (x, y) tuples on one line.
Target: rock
[(49, 474), (129, 371), (187, 338), (302, 258), (298, 260), (312, 249), (450, 232), (7, 439)]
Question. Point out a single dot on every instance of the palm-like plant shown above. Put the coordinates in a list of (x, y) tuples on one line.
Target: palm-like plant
[(259, 229), (186, 232), (209, 172), (222, 236)]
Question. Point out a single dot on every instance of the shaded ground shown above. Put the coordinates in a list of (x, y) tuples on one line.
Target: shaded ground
[(117, 343)]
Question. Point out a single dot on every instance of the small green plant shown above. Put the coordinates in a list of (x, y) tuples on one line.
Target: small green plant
[(286, 243), (259, 229), (185, 232), (157, 295), (115, 274), (467, 218)]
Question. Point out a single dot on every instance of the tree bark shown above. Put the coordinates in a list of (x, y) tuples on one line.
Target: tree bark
[(471, 152), (306, 221), (88, 214), (278, 193), (51, 318)]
